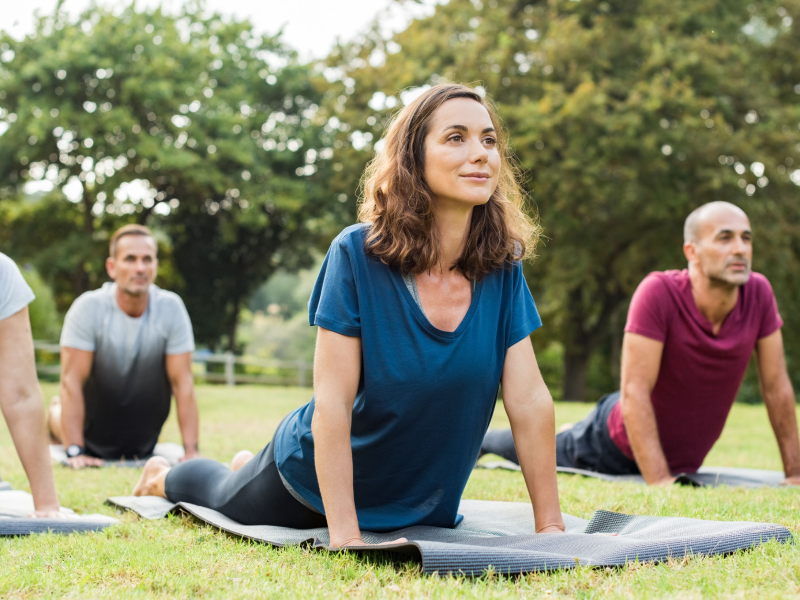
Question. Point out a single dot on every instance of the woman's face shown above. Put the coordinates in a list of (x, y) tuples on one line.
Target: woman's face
[(462, 162)]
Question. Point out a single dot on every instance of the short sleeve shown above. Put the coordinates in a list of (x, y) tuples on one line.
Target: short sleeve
[(525, 318), (771, 319), (334, 300), (647, 315), (80, 325), (15, 293), (181, 336)]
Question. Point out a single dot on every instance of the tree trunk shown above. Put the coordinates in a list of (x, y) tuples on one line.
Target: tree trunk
[(576, 363), (233, 323), (88, 217)]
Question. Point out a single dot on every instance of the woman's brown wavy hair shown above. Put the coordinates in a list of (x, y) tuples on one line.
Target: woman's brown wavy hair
[(399, 205)]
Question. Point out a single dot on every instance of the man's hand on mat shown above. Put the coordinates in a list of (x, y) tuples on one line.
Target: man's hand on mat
[(791, 480), (81, 461), (360, 542), (667, 481)]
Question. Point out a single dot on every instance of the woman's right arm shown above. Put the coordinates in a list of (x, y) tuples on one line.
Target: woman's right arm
[(337, 370)]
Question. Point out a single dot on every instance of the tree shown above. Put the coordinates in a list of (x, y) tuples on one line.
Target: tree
[(190, 123), (626, 116)]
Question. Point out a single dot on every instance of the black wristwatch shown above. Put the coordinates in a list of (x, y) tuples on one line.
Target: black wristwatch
[(75, 450)]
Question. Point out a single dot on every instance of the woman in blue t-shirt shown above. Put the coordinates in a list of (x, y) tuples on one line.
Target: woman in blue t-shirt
[(423, 312)]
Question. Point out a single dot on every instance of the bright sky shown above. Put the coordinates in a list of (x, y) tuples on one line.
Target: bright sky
[(310, 26)]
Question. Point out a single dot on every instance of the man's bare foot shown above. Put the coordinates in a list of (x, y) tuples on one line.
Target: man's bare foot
[(151, 483), (566, 427), (240, 459)]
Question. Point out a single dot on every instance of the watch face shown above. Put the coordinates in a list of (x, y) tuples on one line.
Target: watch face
[(74, 450)]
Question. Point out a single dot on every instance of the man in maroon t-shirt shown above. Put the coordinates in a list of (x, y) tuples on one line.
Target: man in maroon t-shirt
[(689, 337)]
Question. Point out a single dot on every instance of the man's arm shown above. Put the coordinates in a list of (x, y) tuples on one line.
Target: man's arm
[(179, 371), (530, 410), (23, 408), (641, 361), (778, 395), (75, 368)]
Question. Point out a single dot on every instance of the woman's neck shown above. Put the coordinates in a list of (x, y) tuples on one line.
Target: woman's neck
[(452, 227)]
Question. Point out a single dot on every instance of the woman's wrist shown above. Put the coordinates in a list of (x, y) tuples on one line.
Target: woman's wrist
[(553, 527), (342, 540)]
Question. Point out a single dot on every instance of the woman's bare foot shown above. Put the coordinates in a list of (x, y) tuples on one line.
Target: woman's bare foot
[(151, 483), (566, 427), (240, 459)]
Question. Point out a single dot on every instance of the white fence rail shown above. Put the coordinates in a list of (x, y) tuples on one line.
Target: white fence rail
[(252, 370)]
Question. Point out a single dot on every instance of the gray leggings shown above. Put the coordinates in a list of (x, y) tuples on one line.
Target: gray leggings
[(253, 495)]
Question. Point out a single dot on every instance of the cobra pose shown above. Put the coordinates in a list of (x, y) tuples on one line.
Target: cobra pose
[(422, 311), (689, 337)]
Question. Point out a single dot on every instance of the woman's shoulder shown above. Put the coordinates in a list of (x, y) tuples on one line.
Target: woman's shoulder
[(353, 235), (351, 240)]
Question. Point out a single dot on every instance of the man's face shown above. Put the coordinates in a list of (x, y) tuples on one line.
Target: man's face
[(135, 265), (723, 251)]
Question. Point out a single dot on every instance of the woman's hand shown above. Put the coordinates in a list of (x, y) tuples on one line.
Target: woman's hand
[(358, 541)]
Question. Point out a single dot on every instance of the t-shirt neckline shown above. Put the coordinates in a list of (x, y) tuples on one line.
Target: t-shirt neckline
[(700, 318), (400, 284)]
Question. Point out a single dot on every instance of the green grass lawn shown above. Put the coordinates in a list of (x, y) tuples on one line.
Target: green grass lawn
[(179, 558)]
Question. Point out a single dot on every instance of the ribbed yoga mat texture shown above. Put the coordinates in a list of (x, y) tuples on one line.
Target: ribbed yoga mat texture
[(15, 506), (489, 537), (705, 476)]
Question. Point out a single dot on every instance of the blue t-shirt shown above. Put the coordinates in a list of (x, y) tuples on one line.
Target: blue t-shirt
[(425, 397)]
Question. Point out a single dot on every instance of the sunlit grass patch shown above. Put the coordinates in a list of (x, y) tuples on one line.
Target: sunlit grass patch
[(180, 557)]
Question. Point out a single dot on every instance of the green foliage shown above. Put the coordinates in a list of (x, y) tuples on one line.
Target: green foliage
[(191, 123), (626, 116), (45, 322)]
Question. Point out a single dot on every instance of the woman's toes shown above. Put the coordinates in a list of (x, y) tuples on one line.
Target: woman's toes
[(240, 459), (154, 467)]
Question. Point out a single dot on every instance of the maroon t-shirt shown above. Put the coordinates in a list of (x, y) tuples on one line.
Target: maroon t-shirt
[(700, 372)]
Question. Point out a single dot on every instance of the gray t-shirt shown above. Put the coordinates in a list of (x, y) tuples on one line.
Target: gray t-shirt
[(127, 395), (15, 293)]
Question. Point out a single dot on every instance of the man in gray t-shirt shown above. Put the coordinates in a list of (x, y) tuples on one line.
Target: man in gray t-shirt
[(20, 395), (125, 349)]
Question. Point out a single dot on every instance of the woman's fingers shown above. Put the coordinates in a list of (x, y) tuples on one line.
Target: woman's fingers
[(359, 542)]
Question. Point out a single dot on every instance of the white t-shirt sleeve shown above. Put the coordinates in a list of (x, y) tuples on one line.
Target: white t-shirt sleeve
[(181, 336), (15, 293), (80, 325)]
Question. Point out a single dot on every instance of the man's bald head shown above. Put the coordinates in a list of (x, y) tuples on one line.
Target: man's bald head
[(702, 215), (718, 244)]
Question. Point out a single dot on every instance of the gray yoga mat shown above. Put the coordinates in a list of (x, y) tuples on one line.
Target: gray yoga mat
[(705, 476), (15, 506), (170, 450), (489, 537)]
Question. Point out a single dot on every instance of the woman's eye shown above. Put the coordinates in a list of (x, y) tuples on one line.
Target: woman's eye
[(456, 138), (491, 141)]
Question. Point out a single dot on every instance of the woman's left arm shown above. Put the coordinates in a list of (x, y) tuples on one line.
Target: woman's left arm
[(530, 410)]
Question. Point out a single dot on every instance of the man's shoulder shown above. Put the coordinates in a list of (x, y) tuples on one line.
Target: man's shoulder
[(759, 287), (658, 282), (165, 299), (93, 299), (759, 281)]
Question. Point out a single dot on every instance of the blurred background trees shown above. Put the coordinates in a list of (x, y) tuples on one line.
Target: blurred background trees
[(624, 117), (192, 124)]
